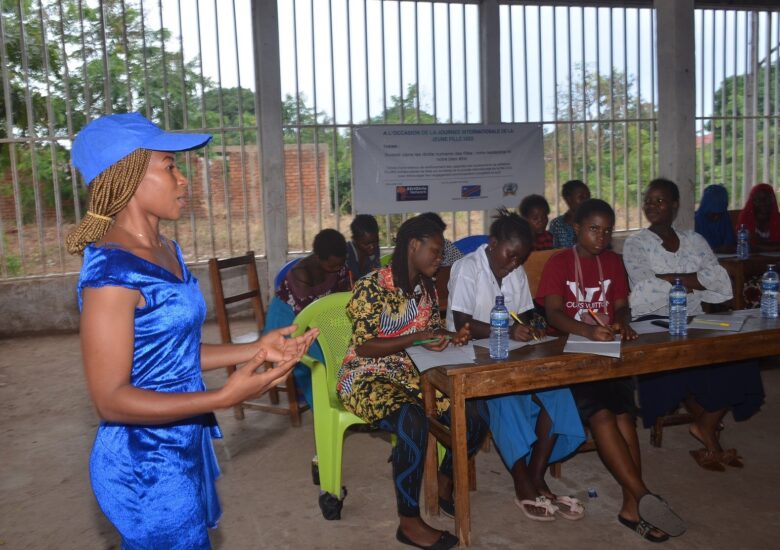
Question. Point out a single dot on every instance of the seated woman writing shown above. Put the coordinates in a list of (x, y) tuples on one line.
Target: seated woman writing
[(316, 275), (654, 257), (529, 429), (585, 293), (391, 309)]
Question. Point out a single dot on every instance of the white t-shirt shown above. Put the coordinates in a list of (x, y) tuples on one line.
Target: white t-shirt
[(473, 289)]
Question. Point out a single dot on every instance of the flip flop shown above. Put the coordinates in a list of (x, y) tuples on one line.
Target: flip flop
[(709, 460), (730, 457), (569, 508), (643, 529), (540, 502), (655, 511)]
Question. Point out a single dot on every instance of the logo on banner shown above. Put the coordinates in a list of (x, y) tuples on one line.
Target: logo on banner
[(411, 193), (470, 191), (509, 189)]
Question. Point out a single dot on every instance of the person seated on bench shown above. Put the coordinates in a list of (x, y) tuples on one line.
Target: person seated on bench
[(318, 274), (585, 292), (713, 221), (363, 247), (574, 192), (654, 257), (761, 217), (529, 429)]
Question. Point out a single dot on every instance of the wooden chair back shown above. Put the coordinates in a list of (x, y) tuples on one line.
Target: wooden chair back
[(250, 292), (534, 266), (234, 271)]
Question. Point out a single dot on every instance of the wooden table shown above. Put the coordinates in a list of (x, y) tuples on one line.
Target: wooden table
[(741, 270), (546, 366)]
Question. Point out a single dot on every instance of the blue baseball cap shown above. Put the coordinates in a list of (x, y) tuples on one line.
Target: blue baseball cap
[(108, 139)]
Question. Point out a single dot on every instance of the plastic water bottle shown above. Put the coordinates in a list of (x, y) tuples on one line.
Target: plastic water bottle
[(743, 240), (769, 283), (678, 309), (499, 330)]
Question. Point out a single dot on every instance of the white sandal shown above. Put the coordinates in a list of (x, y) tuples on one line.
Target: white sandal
[(540, 502)]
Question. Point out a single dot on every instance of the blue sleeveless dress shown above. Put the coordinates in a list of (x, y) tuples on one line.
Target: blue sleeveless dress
[(156, 483)]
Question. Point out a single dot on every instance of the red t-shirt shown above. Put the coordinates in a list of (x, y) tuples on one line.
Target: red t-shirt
[(559, 279)]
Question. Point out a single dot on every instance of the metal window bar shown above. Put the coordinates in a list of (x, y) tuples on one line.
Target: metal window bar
[(737, 86)]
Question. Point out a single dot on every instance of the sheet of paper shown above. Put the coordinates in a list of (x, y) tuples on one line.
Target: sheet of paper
[(745, 313), (580, 344), (513, 344), (426, 359), (728, 322), (647, 327)]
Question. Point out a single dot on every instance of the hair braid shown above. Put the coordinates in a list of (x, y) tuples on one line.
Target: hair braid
[(109, 193)]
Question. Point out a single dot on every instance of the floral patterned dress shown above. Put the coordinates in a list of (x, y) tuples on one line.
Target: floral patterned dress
[(370, 387)]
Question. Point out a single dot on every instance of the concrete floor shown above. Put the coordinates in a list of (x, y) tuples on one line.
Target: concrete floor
[(269, 500)]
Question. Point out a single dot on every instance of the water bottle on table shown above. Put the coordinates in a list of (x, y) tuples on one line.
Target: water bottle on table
[(678, 309), (743, 240), (769, 284), (499, 330)]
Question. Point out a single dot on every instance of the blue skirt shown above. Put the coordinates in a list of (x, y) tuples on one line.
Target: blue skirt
[(513, 424), (279, 315)]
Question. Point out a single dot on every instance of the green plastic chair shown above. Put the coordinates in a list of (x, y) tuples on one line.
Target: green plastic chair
[(385, 260), (331, 420)]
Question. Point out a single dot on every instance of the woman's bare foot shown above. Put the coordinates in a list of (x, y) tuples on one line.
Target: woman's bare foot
[(706, 437)]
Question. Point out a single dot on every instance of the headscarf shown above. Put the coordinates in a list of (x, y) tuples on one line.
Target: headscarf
[(715, 200), (747, 216)]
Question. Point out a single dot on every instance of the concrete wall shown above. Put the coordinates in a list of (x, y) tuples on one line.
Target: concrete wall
[(48, 304)]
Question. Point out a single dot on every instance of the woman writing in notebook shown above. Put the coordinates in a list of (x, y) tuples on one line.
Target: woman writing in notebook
[(391, 309), (530, 429), (585, 292)]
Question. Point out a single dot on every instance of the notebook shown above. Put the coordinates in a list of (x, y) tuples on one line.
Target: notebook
[(425, 359), (580, 344), (731, 323)]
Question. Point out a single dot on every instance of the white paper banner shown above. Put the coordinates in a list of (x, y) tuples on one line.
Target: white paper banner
[(445, 167)]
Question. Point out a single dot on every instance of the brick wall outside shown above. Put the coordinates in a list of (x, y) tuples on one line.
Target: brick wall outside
[(296, 173), (305, 173)]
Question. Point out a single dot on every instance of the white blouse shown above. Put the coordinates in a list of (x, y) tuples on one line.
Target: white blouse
[(644, 256), (473, 289)]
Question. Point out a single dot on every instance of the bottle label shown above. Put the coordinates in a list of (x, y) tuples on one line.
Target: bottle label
[(769, 286), (499, 323), (678, 301)]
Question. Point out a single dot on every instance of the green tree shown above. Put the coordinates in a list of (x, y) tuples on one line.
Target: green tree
[(76, 82), (724, 160), (597, 151)]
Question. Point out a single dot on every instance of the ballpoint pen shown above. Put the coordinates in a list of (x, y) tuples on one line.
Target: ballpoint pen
[(708, 322), (520, 321), (597, 318), (430, 340)]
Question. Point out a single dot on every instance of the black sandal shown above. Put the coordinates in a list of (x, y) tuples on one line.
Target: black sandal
[(643, 529), (446, 541)]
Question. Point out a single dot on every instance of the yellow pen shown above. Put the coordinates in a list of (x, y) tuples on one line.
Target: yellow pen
[(516, 318), (716, 323)]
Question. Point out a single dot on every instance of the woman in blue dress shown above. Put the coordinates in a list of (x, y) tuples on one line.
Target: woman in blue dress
[(152, 467)]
